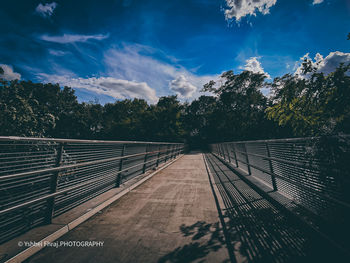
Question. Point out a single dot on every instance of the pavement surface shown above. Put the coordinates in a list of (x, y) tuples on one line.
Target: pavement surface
[(170, 218)]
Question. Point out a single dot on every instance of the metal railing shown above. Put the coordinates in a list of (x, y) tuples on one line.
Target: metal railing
[(42, 178), (313, 172)]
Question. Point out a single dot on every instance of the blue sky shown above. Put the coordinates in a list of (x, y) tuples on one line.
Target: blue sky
[(146, 49)]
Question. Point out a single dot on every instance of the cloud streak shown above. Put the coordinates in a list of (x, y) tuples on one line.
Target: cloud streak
[(138, 63), (130, 71), (72, 38), (316, 2), (57, 53)]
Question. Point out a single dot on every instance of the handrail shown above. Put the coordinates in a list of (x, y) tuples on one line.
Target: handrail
[(311, 190), (71, 166), (13, 208), (297, 139), (300, 164), (316, 181), (34, 139), (41, 178)]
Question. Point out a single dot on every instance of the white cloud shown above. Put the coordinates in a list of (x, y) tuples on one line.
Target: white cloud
[(138, 63), (325, 65), (46, 10), (241, 8), (9, 74), (332, 61), (70, 38), (315, 2), (254, 65), (116, 88), (182, 87)]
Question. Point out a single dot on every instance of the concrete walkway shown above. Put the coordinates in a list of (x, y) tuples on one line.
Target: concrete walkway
[(170, 218)]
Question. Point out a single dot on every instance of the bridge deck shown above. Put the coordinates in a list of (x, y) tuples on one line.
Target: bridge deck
[(173, 218), (170, 218)]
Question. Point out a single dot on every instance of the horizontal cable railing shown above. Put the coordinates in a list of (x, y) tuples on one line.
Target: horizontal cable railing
[(41, 178), (313, 172)]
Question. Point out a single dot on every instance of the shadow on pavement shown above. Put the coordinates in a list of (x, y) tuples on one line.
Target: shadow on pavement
[(260, 231), (205, 239)]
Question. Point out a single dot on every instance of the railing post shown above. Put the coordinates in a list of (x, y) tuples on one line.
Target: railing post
[(247, 159), (53, 186), (222, 151), (157, 163), (119, 176), (234, 154), (166, 153), (273, 178), (173, 151), (228, 154), (145, 160)]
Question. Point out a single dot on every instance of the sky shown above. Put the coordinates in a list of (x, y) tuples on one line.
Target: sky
[(123, 49)]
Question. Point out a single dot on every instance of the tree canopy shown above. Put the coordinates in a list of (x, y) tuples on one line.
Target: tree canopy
[(235, 109)]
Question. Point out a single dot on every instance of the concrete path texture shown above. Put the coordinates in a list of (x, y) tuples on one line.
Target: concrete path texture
[(170, 218)]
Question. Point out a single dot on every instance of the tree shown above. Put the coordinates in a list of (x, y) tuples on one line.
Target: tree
[(20, 110), (165, 119), (315, 105), (240, 106), (308, 105), (123, 119)]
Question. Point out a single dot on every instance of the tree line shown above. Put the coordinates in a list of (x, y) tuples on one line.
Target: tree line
[(235, 109)]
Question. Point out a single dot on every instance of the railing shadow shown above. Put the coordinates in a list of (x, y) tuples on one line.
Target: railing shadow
[(258, 230), (206, 238)]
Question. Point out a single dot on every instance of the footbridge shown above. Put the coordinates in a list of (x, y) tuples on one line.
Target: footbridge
[(120, 201)]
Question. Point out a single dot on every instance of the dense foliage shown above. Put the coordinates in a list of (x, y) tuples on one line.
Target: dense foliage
[(311, 105)]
